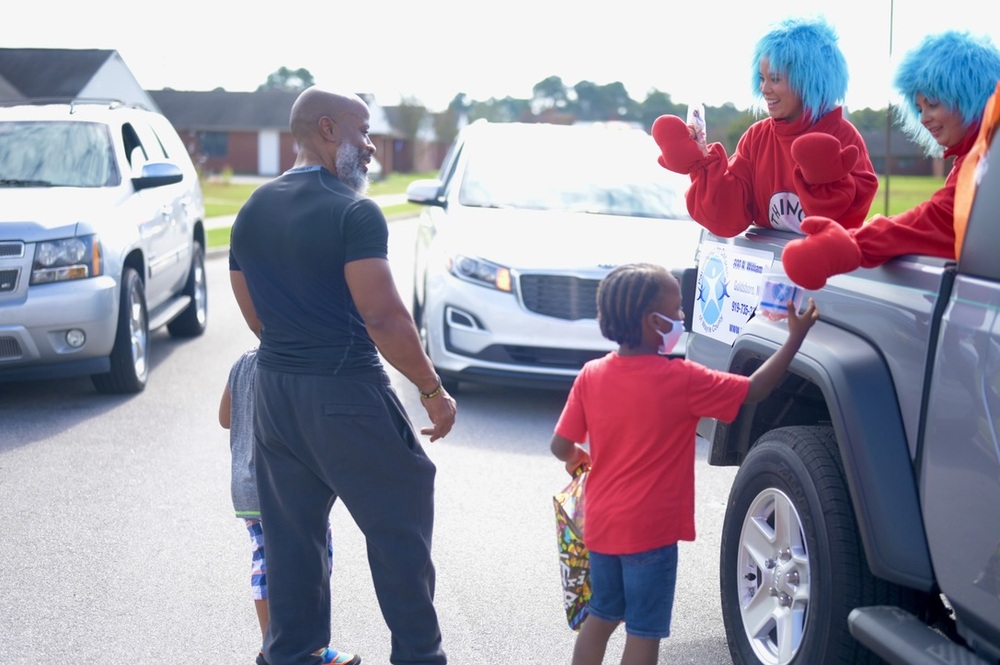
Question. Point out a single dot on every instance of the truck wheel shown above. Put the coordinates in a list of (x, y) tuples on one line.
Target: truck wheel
[(192, 321), (130, 353), (792, 566)]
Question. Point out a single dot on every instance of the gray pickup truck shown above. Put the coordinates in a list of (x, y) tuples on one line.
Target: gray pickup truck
[(863, 523)]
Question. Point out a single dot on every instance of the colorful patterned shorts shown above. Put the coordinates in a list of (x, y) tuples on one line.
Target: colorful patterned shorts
[(258, 565)]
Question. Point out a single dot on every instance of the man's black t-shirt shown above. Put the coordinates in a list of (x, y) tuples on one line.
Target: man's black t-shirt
[(291, 240)]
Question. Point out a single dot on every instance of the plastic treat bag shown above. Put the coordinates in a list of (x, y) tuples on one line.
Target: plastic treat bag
[(696, 118), (574, 559)]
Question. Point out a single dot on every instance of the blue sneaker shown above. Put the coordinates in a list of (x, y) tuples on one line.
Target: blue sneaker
[(329, 656)]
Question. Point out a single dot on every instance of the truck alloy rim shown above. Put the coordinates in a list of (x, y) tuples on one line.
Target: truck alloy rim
[(773, 576)]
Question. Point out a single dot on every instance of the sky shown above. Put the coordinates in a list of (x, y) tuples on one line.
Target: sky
[(431, 50)]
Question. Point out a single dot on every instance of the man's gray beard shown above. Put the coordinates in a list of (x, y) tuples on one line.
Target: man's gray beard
[(350, 168)]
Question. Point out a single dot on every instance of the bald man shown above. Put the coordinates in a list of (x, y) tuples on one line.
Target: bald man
[(309, 269)]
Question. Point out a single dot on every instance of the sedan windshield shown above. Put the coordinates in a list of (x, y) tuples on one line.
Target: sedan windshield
[(580, 169), (56, 154)]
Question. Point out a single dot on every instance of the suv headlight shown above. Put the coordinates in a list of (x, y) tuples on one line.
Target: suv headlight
[(480, 272), (65, 259)]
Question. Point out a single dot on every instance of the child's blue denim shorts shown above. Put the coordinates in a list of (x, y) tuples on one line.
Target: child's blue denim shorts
[(635, 588)]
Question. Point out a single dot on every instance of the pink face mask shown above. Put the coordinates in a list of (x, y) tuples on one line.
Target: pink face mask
[(671, 336)]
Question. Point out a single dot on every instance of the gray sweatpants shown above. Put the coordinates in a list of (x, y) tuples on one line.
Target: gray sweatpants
[(323, 437)]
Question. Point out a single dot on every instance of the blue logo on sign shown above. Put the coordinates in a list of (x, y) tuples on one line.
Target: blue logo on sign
[(712, 291)]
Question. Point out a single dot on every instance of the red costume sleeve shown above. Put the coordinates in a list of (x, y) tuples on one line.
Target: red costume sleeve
[(927, 228), (848, 198), (719, 196)]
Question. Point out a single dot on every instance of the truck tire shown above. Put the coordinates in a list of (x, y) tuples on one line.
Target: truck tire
[(193, 320), (792, 566), (130, 353)]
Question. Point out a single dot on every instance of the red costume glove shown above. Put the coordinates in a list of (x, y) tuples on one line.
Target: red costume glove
[(828, 249), (821, 159), (678, 151)]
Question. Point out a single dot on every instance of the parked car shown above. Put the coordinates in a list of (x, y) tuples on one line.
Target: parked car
[(101, 240), (519, 229)]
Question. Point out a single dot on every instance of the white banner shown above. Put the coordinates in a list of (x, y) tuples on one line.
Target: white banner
[(728, 288)]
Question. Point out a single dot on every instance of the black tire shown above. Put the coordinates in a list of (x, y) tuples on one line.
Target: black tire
[(792, 566), (193, 320), (130, 353)]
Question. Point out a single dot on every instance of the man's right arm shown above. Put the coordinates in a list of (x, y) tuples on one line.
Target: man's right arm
[(242, 293), (395, 335)]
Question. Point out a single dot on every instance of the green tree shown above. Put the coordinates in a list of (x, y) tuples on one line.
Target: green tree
[(869, 120), (656, 104), (411, 114), (286, 79), (735, 129), (446, 124), (507, 109), (602, 102), (549, 93)]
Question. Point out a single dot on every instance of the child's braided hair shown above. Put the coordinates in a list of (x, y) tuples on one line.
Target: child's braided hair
[(624, 296)]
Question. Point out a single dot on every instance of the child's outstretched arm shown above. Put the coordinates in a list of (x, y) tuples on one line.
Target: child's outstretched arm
[(573, 454), (225, 408), (767, 376)]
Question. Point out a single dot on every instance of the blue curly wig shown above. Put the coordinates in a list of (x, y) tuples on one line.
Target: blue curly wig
[(805, 51), (953, 68)]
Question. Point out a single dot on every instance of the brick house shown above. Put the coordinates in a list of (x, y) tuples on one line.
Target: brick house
[(247, 132), (904, 157)]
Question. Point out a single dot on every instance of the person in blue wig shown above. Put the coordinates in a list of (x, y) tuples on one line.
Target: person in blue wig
[(803, 159), (944, 82)]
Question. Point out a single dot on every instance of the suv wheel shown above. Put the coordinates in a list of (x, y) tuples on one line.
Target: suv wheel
[(792, 566), (193, 320), (129, 356)]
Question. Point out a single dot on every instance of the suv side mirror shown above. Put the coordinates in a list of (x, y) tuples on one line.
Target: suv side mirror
[(157, 174), (425, 192)]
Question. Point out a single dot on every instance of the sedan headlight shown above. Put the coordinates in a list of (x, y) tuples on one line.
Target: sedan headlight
[(65, 259), (480, 272)]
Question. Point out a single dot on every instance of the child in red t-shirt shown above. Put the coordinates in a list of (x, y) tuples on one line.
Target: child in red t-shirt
[(639, 410)]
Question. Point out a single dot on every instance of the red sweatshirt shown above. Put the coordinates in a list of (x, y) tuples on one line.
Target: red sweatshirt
[(762, 185)]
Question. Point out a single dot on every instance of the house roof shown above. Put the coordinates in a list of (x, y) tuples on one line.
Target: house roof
[(900, 144), (43, 72), (8, 91), (222, 111), (219, 110)]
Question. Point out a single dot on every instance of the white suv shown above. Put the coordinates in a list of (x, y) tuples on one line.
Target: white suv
[(102, 239)]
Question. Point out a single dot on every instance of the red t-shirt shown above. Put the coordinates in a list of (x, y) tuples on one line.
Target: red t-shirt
[(639, 414)]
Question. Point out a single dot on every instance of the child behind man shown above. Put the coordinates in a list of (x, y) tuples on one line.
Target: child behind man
[(236, 413), (639, 411)]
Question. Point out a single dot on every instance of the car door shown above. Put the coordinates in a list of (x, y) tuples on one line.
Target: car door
[(163, 227), (960, 463)]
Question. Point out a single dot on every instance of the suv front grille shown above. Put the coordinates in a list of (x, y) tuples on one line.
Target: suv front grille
[(10, 349), (560, 296), (8, 280), (9, 250)]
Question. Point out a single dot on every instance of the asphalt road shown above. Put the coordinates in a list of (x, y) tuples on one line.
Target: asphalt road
[(118, 543)]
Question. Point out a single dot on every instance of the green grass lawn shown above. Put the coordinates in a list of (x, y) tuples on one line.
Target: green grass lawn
[(223, 198), (905, 192), (226, 198)]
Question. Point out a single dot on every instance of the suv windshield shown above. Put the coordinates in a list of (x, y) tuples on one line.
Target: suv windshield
[(56, 154)]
